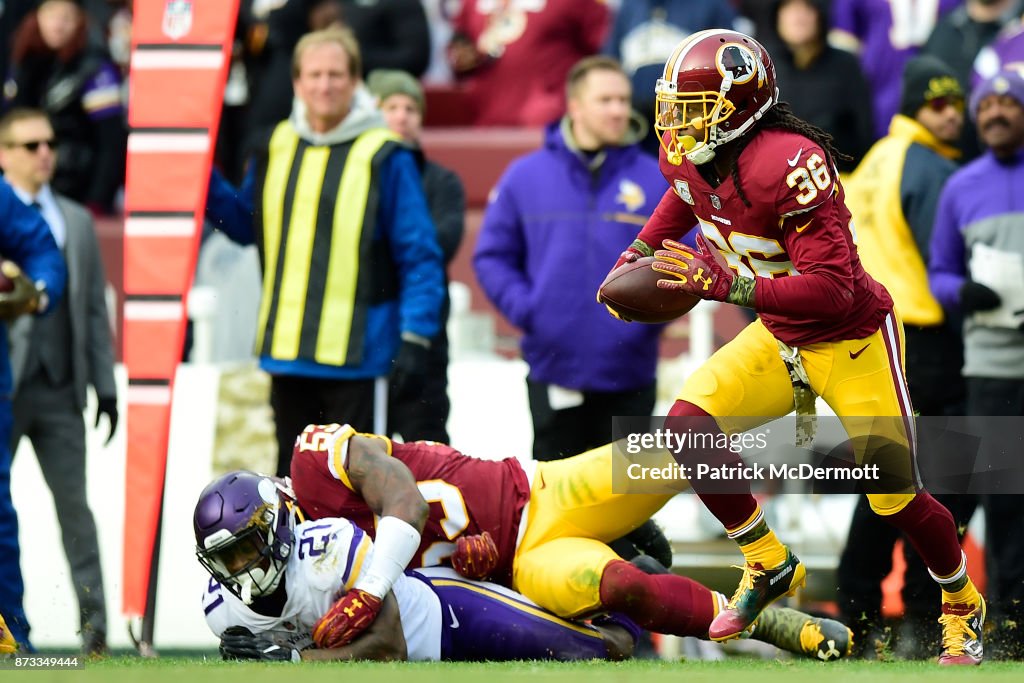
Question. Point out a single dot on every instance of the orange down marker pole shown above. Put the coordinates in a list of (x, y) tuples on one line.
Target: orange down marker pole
[(181, 51)]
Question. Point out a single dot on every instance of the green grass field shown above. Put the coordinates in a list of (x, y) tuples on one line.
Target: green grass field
[(196, 670)]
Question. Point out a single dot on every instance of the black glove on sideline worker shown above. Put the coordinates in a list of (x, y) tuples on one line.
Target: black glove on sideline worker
[(975, 296), (410, 365), (107, 405)]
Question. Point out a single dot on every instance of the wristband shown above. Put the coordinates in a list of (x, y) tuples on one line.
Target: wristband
[(642, 247), (396, 543), (417, 339)]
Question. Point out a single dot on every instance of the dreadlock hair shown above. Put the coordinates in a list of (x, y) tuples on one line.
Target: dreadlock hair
[(781, 117)]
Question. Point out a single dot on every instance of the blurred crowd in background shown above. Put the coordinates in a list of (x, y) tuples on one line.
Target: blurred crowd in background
[(854, 68), (839, 62)]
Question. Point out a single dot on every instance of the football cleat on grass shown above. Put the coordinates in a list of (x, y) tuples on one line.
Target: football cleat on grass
[(759, 587), (799, 633), (961, 633)]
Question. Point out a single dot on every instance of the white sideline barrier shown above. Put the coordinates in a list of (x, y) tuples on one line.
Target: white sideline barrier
[(49, 599)]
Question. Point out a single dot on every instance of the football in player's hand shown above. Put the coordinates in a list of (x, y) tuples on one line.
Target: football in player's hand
[(632, 291), (8, 271)]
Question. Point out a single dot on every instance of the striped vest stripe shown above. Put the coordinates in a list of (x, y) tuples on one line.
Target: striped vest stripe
[(283, 144), (316, 223), (346, 253)]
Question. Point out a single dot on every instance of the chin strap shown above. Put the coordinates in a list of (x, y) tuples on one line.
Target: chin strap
[(245, 590)]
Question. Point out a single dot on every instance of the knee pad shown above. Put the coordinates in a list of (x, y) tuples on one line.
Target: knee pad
[(886, 504)]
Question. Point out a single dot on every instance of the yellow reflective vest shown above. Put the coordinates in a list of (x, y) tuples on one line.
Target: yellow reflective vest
[(315, 211), (885, 242)]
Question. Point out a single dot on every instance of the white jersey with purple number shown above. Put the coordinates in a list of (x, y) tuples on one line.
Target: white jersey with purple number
[(327, 558)]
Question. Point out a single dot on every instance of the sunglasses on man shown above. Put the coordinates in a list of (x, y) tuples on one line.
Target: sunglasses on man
[(34, 145), (939, 104)]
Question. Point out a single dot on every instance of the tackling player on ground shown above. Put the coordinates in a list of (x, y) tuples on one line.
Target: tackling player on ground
[(775, 236), (540, 528)]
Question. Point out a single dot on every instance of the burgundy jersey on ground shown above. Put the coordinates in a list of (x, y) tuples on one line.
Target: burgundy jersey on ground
[(796, 237), (466, 495)]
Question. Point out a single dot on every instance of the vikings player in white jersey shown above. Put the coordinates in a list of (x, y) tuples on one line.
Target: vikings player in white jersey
[(274, 577)]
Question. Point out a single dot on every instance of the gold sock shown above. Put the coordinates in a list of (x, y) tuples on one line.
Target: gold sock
[(967, 595), (718, 603), (767, 550)]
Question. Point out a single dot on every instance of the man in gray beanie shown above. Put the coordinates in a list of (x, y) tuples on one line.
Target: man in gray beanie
[(384, 83), (980, 209), (423, 415)]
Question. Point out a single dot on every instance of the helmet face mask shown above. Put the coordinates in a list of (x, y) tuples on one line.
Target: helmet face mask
[(716, 84), (693, 120), (244, 533)]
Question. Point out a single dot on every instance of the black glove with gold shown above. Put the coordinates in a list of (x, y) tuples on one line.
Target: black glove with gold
[(21, 297)]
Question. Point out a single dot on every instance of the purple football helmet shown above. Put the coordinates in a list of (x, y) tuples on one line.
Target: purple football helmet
[(244, 526)]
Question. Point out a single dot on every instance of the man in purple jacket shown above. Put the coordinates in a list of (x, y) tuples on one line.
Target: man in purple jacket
[(556, 219), (981, 213), (552, 226)]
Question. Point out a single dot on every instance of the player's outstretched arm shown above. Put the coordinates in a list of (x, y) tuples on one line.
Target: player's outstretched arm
[(383, 641)]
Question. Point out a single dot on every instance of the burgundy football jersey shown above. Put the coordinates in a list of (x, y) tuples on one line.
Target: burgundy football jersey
[(466, 495), (796, 235)]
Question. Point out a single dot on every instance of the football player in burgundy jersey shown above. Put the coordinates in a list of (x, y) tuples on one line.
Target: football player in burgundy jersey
[(775, 236), (540, 528)]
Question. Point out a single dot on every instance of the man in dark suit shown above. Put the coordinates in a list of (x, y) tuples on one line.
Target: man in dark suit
[(55, 358)]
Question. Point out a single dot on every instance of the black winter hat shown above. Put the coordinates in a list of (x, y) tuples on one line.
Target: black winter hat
[(925, 78)]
